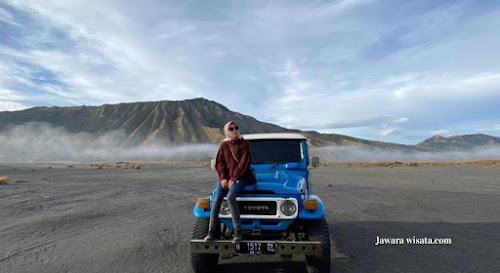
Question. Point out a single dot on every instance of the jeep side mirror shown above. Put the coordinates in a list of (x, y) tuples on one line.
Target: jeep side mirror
[(212, 164), (315, 161)]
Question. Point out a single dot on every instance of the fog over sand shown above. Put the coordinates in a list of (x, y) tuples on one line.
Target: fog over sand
[(355, 154), (41, 142)]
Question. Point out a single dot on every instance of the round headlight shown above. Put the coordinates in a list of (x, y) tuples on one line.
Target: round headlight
[(288, 208), (224, 208)]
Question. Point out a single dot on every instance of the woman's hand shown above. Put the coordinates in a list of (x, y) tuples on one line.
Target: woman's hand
[(223, 183), (230, 184)]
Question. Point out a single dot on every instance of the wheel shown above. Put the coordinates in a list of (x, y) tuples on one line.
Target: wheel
[(318, 231), (201, 262)]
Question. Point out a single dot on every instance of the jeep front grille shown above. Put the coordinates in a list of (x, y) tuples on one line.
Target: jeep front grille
[(257, 207)]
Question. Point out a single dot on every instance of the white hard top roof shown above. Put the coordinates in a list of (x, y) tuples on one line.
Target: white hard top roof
[(274, 136)]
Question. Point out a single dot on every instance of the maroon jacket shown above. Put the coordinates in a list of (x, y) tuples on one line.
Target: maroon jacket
[(233, 167)]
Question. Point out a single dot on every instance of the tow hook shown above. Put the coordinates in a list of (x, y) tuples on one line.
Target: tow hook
[(256, 231)]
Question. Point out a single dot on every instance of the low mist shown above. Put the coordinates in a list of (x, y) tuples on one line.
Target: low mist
[(41, 142), (355, 154)]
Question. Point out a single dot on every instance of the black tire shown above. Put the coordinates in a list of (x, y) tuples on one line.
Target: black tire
[(200, 262), (318, 231)]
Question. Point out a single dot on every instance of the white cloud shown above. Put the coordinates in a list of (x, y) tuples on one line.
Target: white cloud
[(441, 132), (107, 64), (493, 129), (7, 17), (339, 6), (389, 131), (9, 100), (401, 120), (9, 95), (11, 106), (342, 66), (348, 4), (399, 79), (289, 96), (483, 79), (401, 92)]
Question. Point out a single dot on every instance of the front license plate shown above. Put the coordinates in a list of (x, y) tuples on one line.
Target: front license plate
[(256, 248)]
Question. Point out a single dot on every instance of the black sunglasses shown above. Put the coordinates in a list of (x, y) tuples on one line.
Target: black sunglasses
[(233, 128)]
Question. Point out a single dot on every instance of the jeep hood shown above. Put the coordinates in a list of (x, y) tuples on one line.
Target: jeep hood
[(279, 183)]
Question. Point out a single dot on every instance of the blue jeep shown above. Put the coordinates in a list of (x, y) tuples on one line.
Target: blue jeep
[(279, 215)]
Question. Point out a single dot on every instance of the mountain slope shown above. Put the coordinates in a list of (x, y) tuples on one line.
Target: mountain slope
[(188, 121), (200, 121), (455, 143)]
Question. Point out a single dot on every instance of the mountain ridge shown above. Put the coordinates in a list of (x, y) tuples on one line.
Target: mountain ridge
[(200, 121), (459, 142)]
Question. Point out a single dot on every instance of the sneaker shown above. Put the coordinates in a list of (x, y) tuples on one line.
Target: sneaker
[(209, 238), (237, 238)]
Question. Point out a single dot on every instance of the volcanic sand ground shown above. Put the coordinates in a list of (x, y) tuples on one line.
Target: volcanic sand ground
[(104, 218)]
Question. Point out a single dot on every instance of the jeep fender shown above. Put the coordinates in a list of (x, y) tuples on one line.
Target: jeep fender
[(318, 213), (201, 213)]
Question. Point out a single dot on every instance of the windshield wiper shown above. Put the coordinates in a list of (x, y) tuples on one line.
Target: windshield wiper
[(274, 165)]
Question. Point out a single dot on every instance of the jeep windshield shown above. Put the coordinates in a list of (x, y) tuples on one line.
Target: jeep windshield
[(276, 151)]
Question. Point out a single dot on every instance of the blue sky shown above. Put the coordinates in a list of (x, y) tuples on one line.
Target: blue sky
[(398, 71)]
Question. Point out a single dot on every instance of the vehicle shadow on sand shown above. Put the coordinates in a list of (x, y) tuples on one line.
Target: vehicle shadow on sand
[(271, 267)]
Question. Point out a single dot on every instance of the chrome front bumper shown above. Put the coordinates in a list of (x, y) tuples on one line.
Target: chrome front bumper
[(256, 247)]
